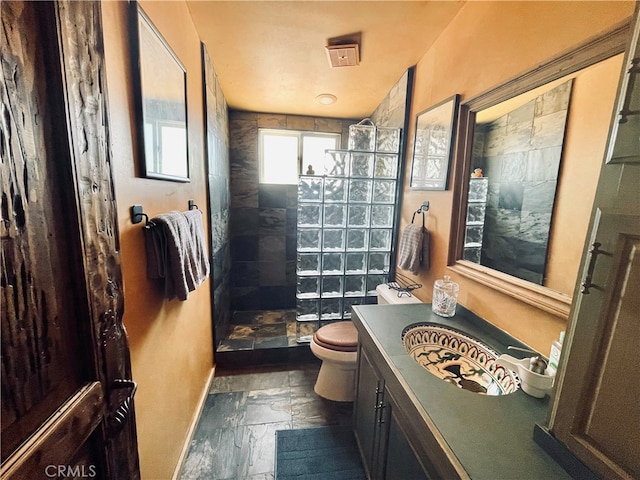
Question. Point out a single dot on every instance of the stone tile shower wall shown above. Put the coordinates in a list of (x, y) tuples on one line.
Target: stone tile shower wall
[(392, 110), (263, 216), (522, 152), (217, 124)]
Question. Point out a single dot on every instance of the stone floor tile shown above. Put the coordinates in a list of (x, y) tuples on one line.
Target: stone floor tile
[(268, 406)]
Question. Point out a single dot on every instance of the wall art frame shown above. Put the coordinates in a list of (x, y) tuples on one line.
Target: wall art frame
[(433, 141), (160, 95)]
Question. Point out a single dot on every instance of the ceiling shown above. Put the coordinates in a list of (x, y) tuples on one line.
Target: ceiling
[(270, 55)]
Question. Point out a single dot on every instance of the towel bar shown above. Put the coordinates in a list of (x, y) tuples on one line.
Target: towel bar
[(137, 213)]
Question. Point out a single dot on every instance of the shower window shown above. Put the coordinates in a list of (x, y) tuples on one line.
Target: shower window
[(287, 154)]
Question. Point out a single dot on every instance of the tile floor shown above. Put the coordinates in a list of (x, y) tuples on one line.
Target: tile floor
[(235, 436)]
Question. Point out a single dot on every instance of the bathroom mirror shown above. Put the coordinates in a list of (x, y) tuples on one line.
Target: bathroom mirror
[(523, 186), (161, 102), (514, 174)]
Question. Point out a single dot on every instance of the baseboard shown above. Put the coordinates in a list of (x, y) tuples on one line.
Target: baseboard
[(194, 423)]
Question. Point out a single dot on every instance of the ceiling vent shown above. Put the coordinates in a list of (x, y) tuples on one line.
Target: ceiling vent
[(344, 51), (343, 55)]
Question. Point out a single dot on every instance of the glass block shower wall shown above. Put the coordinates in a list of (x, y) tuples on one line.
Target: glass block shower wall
[(344, 228)]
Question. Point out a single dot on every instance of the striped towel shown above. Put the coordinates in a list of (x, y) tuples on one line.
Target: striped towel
[(413, 251)]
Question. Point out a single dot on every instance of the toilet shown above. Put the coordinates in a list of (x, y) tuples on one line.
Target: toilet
[(336, 344)]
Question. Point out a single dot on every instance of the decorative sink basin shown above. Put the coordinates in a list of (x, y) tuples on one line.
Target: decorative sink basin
[(458, 359)]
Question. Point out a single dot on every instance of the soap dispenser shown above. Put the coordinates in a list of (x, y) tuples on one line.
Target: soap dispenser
[(445, 297)]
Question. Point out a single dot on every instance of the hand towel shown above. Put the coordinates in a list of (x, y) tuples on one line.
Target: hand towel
[(198, 261), (413, 251), (176, 252), (156, 252)]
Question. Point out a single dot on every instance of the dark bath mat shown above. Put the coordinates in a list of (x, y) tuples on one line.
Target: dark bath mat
[(318, 453)]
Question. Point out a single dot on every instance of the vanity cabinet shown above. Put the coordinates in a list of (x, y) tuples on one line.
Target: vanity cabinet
[(386, 452), (410, 424)]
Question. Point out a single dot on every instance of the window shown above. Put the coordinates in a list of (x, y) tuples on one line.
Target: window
[(286, 154)]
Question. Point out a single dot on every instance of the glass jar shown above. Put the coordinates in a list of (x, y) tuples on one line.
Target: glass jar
[(445, 297)]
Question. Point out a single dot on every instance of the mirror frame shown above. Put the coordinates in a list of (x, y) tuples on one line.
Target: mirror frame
[(150, 145), (589, 52), (428, 118)]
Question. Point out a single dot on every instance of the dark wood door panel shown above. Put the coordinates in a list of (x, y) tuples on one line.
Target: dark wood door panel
[(70, 426), (39, 331), (66, 388)]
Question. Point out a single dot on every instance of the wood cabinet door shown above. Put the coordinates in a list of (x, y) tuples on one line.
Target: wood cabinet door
[(399, 459), (67, 409), (595, 410), (368, 391)]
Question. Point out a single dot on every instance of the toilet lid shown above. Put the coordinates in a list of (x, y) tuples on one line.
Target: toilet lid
[(339, 336)]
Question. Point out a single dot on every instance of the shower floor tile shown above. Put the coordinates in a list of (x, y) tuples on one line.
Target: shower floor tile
[(260, 329)]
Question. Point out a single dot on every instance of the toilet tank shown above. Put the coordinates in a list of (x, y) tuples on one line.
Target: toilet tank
[(387, 295)]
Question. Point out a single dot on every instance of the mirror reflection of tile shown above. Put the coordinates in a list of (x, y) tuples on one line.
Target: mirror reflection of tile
[(520, 154)]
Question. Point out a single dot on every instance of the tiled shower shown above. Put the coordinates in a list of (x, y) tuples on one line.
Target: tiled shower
[(257, 265)]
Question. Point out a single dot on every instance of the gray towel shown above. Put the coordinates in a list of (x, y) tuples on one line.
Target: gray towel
[(176, 252), (199, 265), (413, 251)]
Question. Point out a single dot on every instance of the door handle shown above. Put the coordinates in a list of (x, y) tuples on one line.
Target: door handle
[(381, 407), (377, 402), (594, 252), (118, 415)]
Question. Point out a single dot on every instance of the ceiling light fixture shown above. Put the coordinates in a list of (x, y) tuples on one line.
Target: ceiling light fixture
[(326, 99)]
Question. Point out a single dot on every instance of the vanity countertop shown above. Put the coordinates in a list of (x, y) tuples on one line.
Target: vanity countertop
[(491, 436)]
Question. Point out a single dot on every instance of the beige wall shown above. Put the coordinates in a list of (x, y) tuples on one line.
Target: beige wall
[(171, 341), (487, 44), (592, 99)]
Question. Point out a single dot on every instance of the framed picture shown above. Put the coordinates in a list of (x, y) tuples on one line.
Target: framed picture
[(433, 144), (160, 101)]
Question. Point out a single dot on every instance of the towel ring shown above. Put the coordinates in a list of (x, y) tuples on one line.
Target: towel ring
[(423, 208)]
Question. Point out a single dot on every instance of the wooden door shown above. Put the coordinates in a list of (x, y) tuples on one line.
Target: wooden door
[(67, 409), (595, 411)]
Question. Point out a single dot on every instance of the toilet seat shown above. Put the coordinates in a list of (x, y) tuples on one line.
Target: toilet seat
[(337, 336)]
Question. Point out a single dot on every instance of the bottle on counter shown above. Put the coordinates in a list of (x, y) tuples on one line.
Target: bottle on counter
[(554, 355)]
